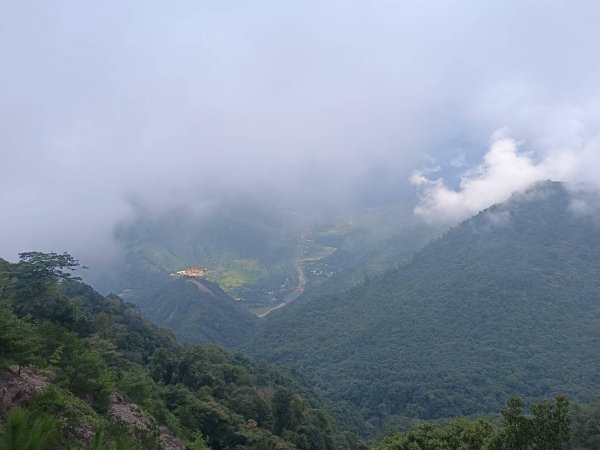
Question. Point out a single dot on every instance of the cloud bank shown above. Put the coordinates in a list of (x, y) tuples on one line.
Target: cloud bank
[(108, 105), (505, 169)]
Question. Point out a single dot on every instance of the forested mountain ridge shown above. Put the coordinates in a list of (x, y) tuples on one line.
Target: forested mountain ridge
[(197, 311), (505, 303), (246, 247), (72, 364), (254, 254), (108, 378), (367, 242)]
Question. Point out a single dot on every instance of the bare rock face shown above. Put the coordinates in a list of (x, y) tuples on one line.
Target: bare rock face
[(128, 413), (170, 442), (131, 415), (18, 386)]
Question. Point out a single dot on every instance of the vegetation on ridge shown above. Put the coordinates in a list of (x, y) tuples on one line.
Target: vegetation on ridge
[(505, 303), (457, 342), (90, 346)]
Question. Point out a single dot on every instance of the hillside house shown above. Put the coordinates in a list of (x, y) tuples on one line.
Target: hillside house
[(191, 272)]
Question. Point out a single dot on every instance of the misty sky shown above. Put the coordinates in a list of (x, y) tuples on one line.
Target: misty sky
[(106, 105)]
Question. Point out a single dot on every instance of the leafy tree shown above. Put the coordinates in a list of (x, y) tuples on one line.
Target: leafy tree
[(84, 371), (547, 428), (465, 434), (586, 425), (36, 270), (18, 340), (89, 345), (51, 266), (286, 410), (551, 424), (34, 283), (101, 441), (516, 431)]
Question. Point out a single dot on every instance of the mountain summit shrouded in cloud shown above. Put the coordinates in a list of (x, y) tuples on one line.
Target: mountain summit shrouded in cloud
[(110, 105), (506, 300), (505, 169)]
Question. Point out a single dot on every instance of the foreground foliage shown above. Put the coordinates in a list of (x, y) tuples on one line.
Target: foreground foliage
[(91, 346), (20, 431), (548, 427)]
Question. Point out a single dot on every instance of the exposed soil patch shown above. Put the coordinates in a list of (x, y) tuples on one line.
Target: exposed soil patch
[(17, 388), (131, 415), (201, 287)]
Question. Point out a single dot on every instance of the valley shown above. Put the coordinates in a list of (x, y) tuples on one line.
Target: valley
[(310, 225), (302, 279), (452, 309), (502, 305), (293, 295), (489, 308), (263, 259)]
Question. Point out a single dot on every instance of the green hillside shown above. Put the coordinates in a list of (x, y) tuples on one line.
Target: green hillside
[(246, 249), (367, 242), (196, 310), (505, 303), (80, 370), (252, 254), (249, 250)]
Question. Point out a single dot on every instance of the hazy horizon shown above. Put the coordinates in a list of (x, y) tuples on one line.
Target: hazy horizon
[(111, 107)]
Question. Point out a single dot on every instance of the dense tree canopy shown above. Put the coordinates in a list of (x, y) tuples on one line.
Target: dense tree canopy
[(94, 345), (505, 303), (548, 428)]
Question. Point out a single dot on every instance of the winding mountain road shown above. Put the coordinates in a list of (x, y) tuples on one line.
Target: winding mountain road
[(294, 294), (299, 289)]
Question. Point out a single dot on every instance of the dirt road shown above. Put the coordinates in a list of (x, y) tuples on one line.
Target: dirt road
[(294, 294)]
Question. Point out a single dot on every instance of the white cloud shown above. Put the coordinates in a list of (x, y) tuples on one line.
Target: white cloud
[(105, 102), (459, 160), (504, 170)]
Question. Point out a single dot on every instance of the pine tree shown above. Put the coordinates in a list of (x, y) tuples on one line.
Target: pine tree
[(21, 432)]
